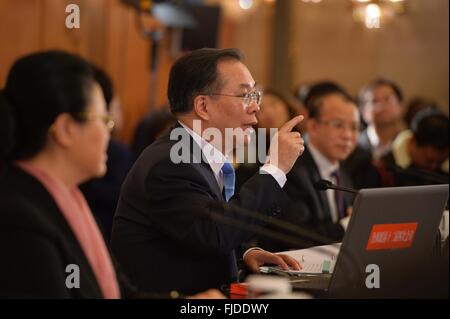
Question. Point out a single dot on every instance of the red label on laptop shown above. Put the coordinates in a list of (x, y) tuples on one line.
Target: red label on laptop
[(391, 236)]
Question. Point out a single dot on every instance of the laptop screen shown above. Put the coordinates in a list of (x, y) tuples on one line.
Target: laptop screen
[(388, 246)]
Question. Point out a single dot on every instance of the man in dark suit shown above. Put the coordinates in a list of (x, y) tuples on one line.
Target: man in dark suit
[(164, 235), (333, 127)]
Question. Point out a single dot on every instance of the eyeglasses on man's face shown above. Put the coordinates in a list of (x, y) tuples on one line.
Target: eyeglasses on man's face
[(105, 118), (247, 98), (341, 125)]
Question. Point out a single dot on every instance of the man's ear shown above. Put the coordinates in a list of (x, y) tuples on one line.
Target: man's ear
[(63, 130), (201, 107)]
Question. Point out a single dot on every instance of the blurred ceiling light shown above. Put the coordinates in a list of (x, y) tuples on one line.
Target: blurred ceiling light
[(245, 4), (239, 9), (374, 13)]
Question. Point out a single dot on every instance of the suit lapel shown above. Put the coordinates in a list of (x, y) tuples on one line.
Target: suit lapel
[(206, 169), (211, 178)]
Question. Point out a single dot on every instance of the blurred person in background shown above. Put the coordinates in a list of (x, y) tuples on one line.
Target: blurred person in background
[(333, 127), (415, 105), (419, 156), (150, 128), (381, 109)]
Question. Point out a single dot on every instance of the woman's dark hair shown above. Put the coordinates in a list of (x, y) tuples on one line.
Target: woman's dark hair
[(39, 87), (105, 83), (196, 73)]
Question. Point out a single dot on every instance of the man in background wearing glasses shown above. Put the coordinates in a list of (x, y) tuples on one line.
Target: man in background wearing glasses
[(163, 234), (333, 129)]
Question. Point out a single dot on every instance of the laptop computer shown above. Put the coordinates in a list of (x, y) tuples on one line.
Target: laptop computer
[(387, 250)]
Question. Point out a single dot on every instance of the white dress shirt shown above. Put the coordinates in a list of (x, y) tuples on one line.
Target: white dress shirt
[(378, 150)]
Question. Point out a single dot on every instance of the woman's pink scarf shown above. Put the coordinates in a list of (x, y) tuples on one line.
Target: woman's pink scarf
[(76, 211)]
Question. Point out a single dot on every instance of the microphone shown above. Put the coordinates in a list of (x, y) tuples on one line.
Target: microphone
[(324, 184)]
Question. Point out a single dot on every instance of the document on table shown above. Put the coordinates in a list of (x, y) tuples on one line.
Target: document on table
[(307, 268), (314, 260)]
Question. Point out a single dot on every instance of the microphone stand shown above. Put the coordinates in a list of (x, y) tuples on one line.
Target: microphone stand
[(324, 184), (215, 206)]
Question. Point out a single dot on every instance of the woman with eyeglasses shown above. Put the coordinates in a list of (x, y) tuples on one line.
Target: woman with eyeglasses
[(54, 133), (102, 193)]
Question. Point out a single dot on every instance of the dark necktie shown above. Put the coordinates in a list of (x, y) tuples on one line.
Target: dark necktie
[(339, 196), (228, 180)]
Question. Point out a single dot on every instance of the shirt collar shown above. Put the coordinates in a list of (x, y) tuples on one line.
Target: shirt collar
[(213, 156), (377, 149), (373, 136), (326, 168), (400, 149)]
